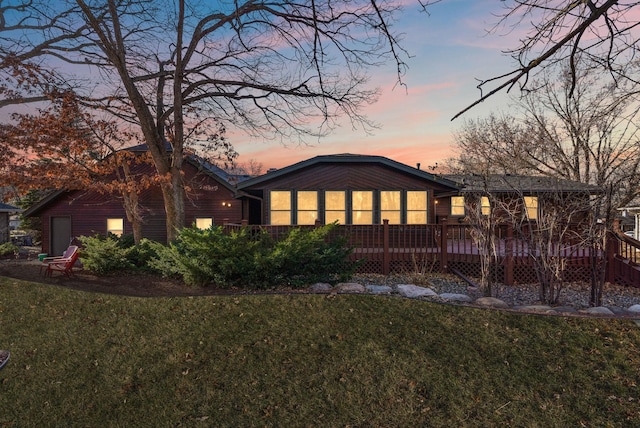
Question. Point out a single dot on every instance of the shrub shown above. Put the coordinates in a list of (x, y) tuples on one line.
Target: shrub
[(140, 255), (308, 255), (204, 256), (8, 248), (103, 255), (250, 258)]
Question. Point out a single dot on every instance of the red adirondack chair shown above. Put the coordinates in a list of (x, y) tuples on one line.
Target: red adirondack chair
[(63, 265), (65, 256)]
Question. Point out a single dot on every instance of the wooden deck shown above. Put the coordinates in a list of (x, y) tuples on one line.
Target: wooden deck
[(386, 249)]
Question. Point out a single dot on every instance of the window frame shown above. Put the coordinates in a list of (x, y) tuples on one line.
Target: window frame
[(453, 206), (198, 219), (280, 211), (300, 211), (331, 218), (385, 211), (408, 211), (111, 229), (371, 211), (528, 207)]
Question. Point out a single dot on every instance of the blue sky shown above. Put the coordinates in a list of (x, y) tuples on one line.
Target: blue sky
[(450, 49)]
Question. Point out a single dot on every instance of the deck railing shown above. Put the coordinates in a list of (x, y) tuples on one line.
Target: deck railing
[(625, 261), (446, 247)]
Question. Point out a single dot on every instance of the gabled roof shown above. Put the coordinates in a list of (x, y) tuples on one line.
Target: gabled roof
[(527, 184), (207, 168), (228, 179), (6, 208), (351, 159), (42, 203)]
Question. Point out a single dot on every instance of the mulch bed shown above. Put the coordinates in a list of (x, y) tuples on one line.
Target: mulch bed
[(128, 284)]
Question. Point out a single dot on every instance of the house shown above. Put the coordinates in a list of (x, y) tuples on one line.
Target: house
[(530, 194), (6, 211), (67, 214), (350, 189), (360, 189)]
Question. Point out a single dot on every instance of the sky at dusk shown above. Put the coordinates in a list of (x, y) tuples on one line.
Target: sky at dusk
[(450, 50)]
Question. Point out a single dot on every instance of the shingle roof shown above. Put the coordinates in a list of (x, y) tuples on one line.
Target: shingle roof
[(528, 184), (348, 158), (6, 208)]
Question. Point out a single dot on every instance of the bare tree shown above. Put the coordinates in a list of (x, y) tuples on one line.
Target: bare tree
[(582, 132), (601, 34), (483, 226), (278, 69)]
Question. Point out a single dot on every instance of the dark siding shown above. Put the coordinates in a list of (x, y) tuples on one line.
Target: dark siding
[(89, 210), (346, 176)]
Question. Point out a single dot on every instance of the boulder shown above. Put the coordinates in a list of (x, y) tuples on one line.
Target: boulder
[(320, 287), (350, 287), (598, 310), (634, 308), (378, 289), (413, 291)]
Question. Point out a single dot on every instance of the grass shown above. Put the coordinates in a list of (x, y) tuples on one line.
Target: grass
[(83, 359)]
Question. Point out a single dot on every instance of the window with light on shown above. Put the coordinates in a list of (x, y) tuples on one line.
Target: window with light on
[(115, 226)]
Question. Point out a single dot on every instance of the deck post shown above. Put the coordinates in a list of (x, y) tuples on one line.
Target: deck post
[(611, 250), (385, 247), (443, 246), (509, 260)]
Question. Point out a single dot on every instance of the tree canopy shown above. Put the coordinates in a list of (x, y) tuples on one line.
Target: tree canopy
[(598, 34), (273, 69)]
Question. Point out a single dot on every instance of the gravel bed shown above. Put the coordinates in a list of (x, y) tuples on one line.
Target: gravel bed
[(573, 294)]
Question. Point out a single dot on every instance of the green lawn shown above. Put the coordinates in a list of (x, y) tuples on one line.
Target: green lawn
[(82, 359)]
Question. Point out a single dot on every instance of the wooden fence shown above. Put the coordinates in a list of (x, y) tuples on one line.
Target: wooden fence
[(449, 248)]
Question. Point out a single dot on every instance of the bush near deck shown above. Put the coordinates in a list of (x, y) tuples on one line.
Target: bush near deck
[(244, 258)]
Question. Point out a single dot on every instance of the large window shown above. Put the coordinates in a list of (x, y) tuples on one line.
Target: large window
[(115, 226), (204, 222), (362, 207), (307, 207), (280, 207), (390, 206), (335, 207), (416, 207), (531, 207), (457, 205)]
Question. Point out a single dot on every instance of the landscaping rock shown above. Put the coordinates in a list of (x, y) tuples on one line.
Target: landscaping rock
[(634, 308), (378, 289), (598, 310), (350, 287), (617, 310), (321, 287), (491, 302), (413, 291), (456, 297)]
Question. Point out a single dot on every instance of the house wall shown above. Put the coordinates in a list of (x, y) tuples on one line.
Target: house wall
[(345, 176), (4, 228), (89, 210)]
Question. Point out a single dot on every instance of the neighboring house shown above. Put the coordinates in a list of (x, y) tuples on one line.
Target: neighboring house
[(67, 215), (6, 211), (531, 193), (350, 189)]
